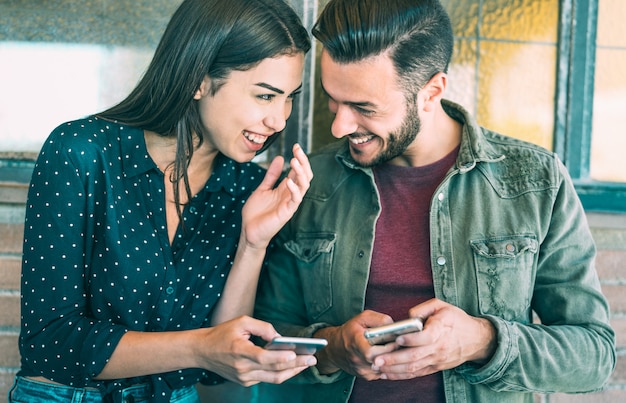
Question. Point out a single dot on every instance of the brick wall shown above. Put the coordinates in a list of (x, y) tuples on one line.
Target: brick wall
[(12, 198), (609, 232)]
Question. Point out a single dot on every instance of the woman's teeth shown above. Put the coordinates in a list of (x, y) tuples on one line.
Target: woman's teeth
[(255, 138)]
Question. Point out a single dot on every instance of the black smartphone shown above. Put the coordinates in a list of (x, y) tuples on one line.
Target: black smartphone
[(301, 345), (388, 333)]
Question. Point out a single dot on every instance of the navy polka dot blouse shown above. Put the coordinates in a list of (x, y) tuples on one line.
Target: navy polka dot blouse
[(97, 261)]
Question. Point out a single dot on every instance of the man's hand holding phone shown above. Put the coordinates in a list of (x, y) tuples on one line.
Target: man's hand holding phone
[(388, 333)]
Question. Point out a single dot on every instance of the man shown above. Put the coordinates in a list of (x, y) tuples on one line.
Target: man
[(419, 212)]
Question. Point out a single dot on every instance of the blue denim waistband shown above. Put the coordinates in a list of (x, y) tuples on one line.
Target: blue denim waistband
[(33, 391)]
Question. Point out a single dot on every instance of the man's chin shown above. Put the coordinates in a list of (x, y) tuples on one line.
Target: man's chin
[(363, 162)]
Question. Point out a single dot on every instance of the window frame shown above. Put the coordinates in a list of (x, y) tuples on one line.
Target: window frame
[(574, 105)]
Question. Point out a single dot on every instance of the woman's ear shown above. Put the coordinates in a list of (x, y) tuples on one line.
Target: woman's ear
[(205, 86)]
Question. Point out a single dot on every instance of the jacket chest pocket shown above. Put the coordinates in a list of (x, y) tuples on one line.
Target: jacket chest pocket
[(505, 275), (314, 254)]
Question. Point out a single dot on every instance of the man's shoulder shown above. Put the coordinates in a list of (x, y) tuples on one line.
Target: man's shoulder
[(522, 166)]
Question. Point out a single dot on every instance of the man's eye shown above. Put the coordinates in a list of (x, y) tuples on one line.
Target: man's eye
[(364, 112)]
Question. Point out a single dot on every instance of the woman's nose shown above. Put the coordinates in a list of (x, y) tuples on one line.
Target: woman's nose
[(277, 118)]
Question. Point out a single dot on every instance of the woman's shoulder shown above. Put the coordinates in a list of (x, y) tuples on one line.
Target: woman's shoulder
[(91, 138), (90, 127), (90, 132)]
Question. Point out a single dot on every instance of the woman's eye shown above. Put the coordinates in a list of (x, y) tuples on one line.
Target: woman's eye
[(266, 97), (294, 94)]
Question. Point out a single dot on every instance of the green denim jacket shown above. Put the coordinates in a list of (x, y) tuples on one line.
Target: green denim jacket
[(509, 237)]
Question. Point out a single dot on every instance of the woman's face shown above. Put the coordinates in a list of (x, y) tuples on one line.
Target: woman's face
[(250, 106)]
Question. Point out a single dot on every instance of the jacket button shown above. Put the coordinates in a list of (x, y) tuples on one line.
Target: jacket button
[(441, 260), (361, 254), (440, 196)]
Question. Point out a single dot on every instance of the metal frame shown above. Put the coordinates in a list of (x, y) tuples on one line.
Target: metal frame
[(574, 105)]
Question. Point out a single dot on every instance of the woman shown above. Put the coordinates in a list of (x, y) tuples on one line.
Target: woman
[(141, 259)]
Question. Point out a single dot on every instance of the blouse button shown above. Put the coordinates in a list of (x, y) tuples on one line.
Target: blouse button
[(169, 290), (361, 253), (441, 260)]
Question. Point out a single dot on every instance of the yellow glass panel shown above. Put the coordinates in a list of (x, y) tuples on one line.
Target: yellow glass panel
[(520, 20), (609, 116), (464, 16), (510, 87), (462, 75), (516, 90), (611, 27)]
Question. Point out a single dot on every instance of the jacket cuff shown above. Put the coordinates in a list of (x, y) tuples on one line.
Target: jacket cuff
[(312, 375), (506, 352)]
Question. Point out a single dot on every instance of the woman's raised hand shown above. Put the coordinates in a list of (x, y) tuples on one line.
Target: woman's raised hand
[(270, 207)]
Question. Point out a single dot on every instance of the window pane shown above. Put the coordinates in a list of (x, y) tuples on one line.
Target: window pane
[(504, 66), (609, 117)]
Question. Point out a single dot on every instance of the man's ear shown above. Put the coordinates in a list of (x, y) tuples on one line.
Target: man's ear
[(433, 91), (205, 86)]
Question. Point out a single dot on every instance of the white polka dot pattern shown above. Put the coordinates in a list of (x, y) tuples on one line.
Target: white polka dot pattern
[(97, 260)]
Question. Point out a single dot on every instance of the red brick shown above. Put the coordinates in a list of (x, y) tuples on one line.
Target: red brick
[(6, 382), (619, 375), (606, 396), (10, 312), (619, 325), (12, 237), (610, 264), (10, 267), (13, 192), (616, 294), (10, 356)]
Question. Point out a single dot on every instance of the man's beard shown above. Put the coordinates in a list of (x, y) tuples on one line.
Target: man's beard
[(398, 140)]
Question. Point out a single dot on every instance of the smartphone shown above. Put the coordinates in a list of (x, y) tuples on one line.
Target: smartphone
[(301, 345), (387, 333)]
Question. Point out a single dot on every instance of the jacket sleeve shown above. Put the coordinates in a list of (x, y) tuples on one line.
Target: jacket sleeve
[(280, 301), (572, 349)]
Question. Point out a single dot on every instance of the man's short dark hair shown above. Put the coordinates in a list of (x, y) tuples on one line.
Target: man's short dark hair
[(416, 34)]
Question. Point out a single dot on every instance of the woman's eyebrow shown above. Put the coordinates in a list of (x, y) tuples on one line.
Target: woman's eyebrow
[(279, 91), (270, 87)]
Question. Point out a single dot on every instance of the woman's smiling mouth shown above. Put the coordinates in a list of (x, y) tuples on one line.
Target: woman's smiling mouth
[(255, 138)]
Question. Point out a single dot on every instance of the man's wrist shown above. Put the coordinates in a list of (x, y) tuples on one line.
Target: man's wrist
[(325, 364)]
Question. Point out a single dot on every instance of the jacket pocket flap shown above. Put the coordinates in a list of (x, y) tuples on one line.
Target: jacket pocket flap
[(307, 247), (505, 247)]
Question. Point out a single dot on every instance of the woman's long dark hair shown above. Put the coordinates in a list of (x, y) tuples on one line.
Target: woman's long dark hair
[(205, 37)]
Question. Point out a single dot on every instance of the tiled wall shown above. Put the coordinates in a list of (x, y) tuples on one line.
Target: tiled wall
[(102, 47), (61, 60)]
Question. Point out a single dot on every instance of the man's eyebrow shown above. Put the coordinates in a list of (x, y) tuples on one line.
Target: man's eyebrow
[(351, 103)]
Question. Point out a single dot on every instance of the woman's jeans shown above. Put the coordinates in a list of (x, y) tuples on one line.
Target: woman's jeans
[(30, 391)]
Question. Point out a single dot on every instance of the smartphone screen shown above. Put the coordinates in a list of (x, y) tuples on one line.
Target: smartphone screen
[(301, 345), (388, 333)]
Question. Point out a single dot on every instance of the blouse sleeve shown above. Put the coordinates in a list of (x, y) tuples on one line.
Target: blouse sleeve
[(59, 338)]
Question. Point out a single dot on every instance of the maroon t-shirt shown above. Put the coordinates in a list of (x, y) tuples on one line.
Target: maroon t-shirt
[(400, 275)]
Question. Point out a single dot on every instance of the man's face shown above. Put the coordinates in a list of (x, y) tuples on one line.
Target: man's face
[(369, 108)]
